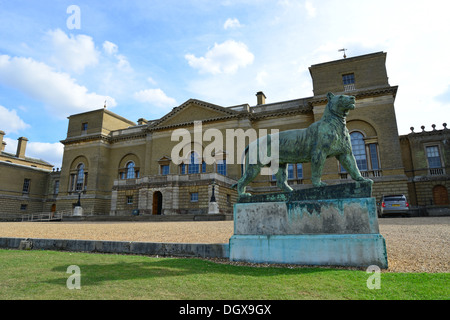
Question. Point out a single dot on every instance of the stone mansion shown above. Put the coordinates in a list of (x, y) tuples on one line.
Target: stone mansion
[(120, 167)]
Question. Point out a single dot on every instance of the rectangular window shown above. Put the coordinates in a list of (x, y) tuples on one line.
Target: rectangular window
[(434, 160), (194, 197), (56, 187), (23, 207), (374, 156), (84, 127), (290, 171), (193, 168), (129, 199), (222, 167), (165, 170), (349, 81), (26, 186), (299, 171)]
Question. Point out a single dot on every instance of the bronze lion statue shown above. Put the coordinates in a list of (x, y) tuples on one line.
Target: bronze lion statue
[(323, 139)]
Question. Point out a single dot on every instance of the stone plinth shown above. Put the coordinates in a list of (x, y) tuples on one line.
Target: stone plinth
[(350, 250), (77, 211), (341, 216), (334, 232)]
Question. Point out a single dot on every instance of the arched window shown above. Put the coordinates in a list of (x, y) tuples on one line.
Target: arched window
[(359, 150), (80, 178), (131, 173)]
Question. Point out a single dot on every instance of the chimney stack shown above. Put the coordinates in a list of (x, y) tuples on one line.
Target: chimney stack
[(21, 147), (2, 143), (261, 98)]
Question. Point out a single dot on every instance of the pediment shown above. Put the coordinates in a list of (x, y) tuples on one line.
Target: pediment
[(164, 160), (194, 110)]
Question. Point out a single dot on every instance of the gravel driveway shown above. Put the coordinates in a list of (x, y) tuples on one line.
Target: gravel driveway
[(413, 244)]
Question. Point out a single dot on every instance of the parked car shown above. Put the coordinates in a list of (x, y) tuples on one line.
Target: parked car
[(393, 204)]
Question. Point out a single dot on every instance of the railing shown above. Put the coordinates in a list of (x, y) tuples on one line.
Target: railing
[(436, 171), (43, 216), (349, 87), (365, 174)]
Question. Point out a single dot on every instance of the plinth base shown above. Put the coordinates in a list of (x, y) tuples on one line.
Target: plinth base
[(77, 211), (352, 250)]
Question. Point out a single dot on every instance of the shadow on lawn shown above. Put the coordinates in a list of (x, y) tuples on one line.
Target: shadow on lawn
[(93, 274)]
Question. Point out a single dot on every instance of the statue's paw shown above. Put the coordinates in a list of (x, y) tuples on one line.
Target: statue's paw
[(362, 179)]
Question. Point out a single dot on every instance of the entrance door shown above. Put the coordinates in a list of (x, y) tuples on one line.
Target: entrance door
[(440, 195), (157, 203)]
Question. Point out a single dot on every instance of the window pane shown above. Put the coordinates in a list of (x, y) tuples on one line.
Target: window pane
[(80, 177), (359, 150), (165, 170), (290, 171), (299, 171), (374, 156), (203, 167), (434, 160), (26, 185), (194, 196), (193, 164), (130, 170), (348, 78), (222, 167)]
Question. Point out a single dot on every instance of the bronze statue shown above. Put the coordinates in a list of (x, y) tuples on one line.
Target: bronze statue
[(325, 138)]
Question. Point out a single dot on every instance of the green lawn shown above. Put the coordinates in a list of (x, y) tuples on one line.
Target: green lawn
[(43, 275)]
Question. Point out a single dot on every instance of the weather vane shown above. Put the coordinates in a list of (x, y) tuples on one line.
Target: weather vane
[(343, 49)]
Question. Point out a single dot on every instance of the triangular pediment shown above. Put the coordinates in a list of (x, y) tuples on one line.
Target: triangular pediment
[(194, 110)]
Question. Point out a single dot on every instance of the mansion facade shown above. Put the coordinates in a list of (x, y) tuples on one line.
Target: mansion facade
[(120, 167)]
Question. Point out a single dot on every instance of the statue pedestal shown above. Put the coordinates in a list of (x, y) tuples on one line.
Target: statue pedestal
[(77, 211), (333, 232), (213, 208)]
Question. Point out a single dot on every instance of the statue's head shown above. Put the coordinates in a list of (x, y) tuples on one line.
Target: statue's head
[(340, 105)]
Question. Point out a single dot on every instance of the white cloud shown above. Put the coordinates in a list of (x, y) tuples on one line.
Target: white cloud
[(231, 24), (156, 97), (226, 57), (72, 53), (50, 152), (10, 122), (57, 90), (151, 81), (110, 48), (310, 9)]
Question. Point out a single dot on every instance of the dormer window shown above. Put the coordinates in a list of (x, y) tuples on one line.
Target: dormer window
[(348, 81)]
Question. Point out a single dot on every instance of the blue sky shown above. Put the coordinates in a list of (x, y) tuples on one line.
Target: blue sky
[(146, 57)]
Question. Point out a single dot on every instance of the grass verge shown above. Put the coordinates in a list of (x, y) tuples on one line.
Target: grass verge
[(36, 275)]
